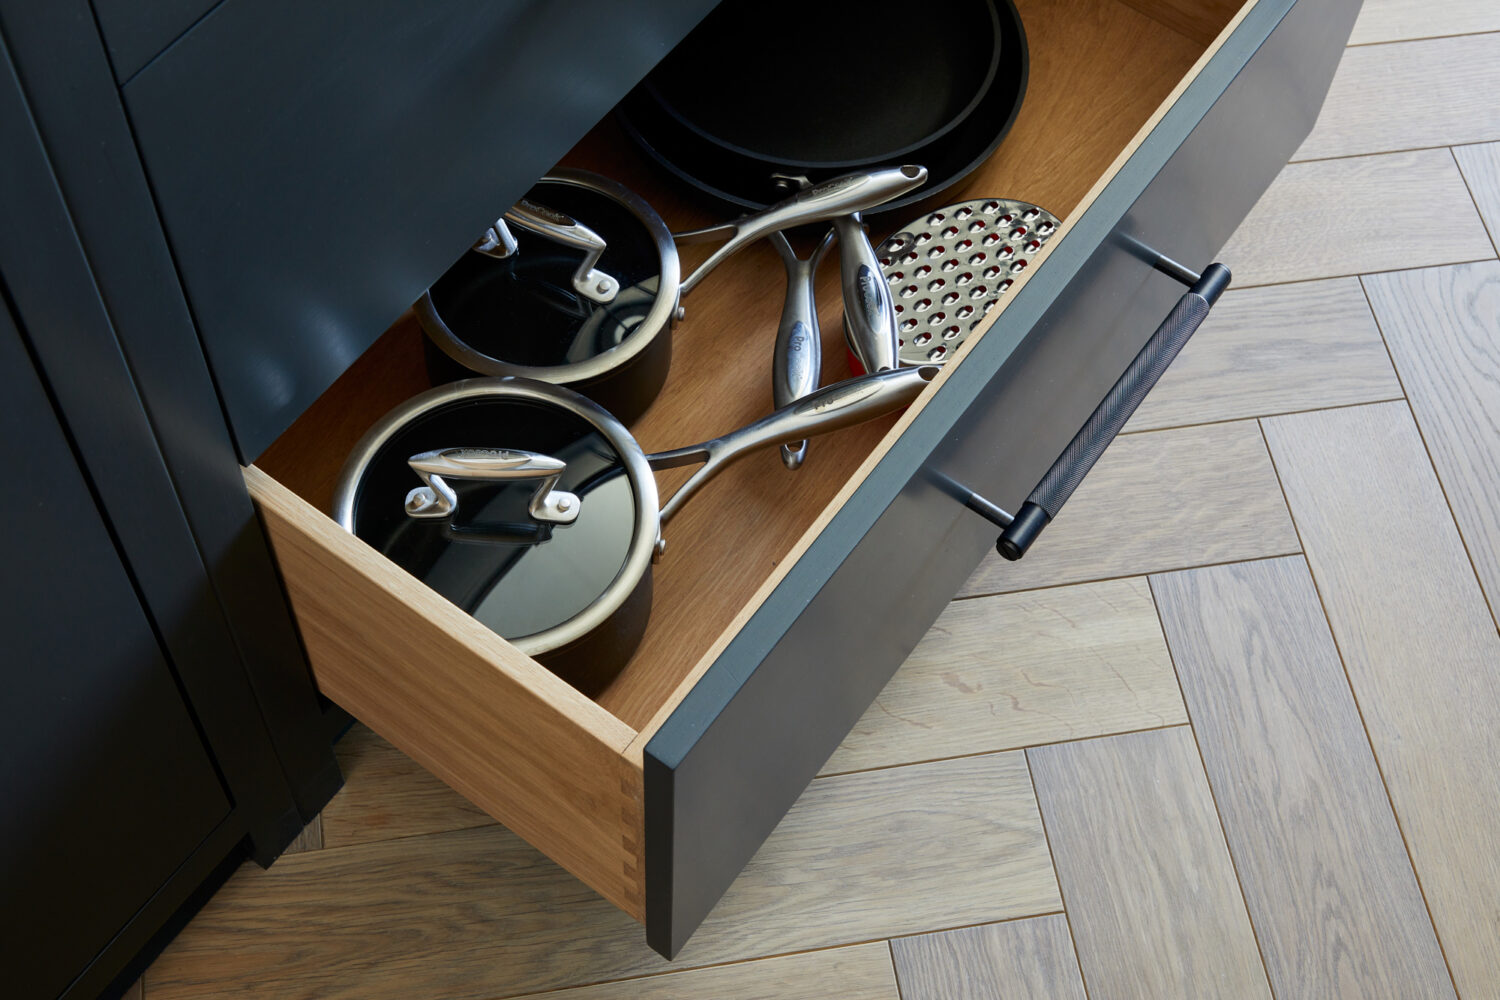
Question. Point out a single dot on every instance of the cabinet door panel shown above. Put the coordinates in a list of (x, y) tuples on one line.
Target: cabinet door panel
[(107, 787), (354, 150)]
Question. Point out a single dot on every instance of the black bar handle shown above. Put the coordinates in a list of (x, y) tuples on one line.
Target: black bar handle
[(1112, 412)]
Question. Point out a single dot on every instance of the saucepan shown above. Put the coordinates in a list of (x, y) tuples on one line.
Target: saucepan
[(587, 295), (535, 510)]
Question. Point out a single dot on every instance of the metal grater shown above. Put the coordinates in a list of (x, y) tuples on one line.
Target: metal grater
[(948, 268)]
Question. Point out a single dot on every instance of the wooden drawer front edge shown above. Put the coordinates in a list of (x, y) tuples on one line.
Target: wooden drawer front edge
[(502, 731)]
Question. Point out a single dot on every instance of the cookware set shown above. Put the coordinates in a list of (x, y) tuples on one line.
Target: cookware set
[(517, 491)]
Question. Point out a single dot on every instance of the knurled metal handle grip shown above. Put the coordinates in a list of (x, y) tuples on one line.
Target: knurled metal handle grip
[(1112, 412)]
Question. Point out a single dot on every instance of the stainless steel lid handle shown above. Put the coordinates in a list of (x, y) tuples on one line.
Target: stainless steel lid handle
[(497, 241), (560, 228), (437, 499)]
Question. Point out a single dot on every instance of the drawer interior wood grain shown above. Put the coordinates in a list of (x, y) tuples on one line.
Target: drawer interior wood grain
[(560, 769)]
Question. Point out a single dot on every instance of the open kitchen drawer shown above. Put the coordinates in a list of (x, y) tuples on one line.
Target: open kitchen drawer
[(786, 600)]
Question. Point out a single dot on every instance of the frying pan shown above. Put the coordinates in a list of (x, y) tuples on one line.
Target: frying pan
[(591, 299), (533, 509), (831, 128), (945, 101)]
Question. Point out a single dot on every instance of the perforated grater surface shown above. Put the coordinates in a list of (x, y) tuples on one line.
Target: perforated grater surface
[(948, 268)]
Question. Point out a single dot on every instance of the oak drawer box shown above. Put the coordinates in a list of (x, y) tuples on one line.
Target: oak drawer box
[(786, 600)]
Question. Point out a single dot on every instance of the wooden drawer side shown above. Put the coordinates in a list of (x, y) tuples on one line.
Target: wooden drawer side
[(495, 726)]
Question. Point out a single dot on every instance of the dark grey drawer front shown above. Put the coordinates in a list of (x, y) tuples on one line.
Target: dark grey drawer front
[(318, 165), (738, 752)]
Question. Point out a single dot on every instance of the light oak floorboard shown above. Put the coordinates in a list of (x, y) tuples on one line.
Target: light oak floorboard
[(387, 795), (1017, 960), (1443, 328), (1320, 858), (1149, 887), (863, 972), (1155, 502), (1357, 215), (1421, 652), (310, 839), (134, 993), (996, 673), (1409, 95), (1480, 166), (1276, 349), (477, 914), (1397, 20)]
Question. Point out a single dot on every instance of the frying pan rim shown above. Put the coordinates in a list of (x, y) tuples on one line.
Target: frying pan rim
[(632, 456), (936, 186), (659, 319), (997, 48)]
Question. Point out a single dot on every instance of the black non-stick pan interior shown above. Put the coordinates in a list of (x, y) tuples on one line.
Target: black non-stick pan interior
[(940, 53), (840, 85)]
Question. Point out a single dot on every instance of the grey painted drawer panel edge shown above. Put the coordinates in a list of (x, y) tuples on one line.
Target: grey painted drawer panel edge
[(738, 751)]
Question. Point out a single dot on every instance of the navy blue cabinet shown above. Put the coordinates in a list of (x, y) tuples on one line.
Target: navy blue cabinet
[(106, 783)]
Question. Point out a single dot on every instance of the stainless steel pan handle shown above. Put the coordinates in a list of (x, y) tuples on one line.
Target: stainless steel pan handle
[(798, 362), (841, 405), (869, 314), (819, 203)]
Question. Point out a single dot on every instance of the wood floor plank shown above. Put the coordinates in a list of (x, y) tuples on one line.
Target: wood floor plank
[(387, 795), (1421, 652), (1409, 95), (1480, 167), (1150, 890), (1358, 215), (1156, 502), (1443, 328), (863, 972), (476, 913), (1017, 960), (1275, 349), (1399, 20), (310, 839), (1331, 891), (997, 673)]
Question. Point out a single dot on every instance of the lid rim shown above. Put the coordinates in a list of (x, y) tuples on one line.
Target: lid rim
[(659, 319), (632, 458)]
